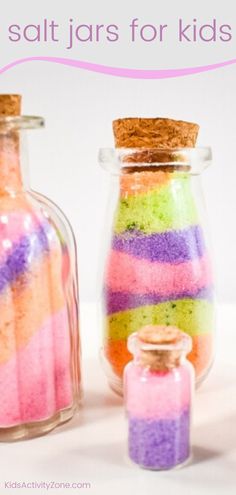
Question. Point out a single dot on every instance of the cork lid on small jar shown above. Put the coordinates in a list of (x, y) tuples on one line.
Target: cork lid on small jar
[(162, 347)]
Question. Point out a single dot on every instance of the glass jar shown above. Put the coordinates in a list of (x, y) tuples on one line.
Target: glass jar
[(157, 264), (39, 342), (158, 398)]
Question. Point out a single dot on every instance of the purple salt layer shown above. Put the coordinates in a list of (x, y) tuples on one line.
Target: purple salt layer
[(122, 301), (174, 246), (160, 444), (22, 255)]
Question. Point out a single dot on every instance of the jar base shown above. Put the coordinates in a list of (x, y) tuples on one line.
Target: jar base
[(202, 378), (116, 385), (37, 428), (181, 465), (114, 381)]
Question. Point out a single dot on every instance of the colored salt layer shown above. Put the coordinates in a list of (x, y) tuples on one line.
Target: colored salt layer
[(28, 248), (170, 208), (35, 353), (175, 246), (193, 316), (159, 444), (136, 183), (122, 301), (13, 227), (35, 382), (28, 302), (158, 404), (158, 395), (143, 277), (158, 270)]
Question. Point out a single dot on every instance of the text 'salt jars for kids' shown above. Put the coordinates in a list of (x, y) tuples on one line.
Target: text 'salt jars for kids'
[(158, 266), (39, 356)]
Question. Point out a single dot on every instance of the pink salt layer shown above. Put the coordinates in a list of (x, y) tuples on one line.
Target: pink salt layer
[(128, 274), (10, 175), (157, 395), (36, 381)]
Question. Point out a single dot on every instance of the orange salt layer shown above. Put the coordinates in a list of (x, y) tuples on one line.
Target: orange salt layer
[(117, 355), (142, 182), (10, 173), (26, 304), (19, 202), (202, 354), (201, 357)]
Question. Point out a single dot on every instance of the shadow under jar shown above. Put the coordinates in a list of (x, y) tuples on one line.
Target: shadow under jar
[(157, 267), (39, 341)]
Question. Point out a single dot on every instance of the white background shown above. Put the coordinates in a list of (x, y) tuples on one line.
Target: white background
[(79, 107)]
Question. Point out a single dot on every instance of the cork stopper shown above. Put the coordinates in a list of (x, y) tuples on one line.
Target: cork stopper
[(159, 133), (161, 359), (10, 105)]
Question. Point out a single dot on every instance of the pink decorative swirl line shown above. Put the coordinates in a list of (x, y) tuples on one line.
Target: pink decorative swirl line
[(122, 72)]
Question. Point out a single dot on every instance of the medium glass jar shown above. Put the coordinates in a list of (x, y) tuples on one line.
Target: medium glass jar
[(157, 265), (158, 385), (39, 341)]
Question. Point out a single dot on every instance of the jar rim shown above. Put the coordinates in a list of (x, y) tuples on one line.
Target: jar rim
[(115, 160), (21, 122)]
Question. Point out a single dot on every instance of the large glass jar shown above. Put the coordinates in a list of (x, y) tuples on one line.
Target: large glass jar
[(157, 266), (39, 342)]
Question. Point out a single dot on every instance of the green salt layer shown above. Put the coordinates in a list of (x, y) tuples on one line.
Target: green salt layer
[(168, 207), (195, 317)]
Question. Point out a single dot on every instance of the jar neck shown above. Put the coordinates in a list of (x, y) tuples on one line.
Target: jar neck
[(12, 163), (160, 361), (159, 348), (120, 160)]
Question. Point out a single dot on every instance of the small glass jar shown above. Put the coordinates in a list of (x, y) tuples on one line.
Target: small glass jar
[(157, 257), (158, 387), (39, 340)]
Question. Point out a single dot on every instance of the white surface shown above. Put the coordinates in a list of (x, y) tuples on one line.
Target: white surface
[(92, 447)]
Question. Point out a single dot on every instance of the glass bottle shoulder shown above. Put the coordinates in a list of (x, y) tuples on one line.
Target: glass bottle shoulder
[(31, 224)]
